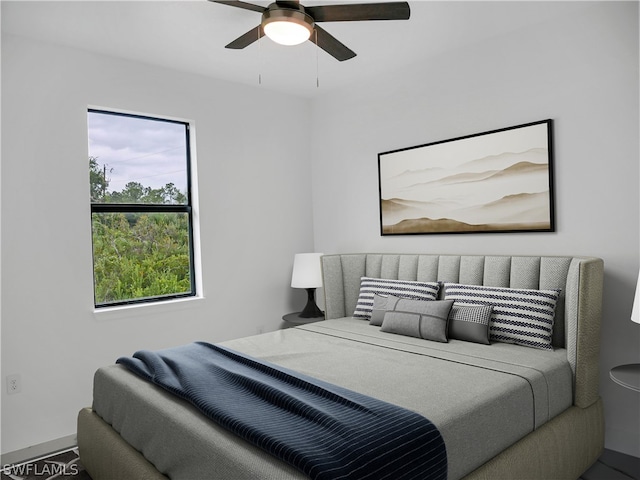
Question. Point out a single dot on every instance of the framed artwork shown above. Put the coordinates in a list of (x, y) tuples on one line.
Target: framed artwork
[(498, 181)]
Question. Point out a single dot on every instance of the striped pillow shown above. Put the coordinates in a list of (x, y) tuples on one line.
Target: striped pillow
[(520, 316), (399, 288)]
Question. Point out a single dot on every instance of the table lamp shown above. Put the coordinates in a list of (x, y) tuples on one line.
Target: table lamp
[(628, 376), (307, 274)]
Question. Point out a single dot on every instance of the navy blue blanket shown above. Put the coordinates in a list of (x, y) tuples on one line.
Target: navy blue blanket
[(326, 431)]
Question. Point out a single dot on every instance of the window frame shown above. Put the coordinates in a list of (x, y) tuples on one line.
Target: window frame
[(142, 208)]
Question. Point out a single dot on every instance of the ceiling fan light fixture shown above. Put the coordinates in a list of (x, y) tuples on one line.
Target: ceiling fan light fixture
[(287, 27)]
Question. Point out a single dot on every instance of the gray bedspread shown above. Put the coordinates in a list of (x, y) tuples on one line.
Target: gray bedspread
[(482, 398)]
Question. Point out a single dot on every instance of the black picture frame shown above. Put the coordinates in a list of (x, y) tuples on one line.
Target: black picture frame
[(499, 181)]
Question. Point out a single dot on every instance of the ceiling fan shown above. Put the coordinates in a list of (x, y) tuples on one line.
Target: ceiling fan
[(289, 23)]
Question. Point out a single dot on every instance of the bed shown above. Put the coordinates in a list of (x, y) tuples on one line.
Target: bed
[(504, 410)]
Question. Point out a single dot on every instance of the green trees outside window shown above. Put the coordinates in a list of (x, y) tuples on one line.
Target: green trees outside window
[(142, 235)]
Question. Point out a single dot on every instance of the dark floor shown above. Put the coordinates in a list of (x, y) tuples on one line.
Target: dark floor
[(611, 466), (614, 466)]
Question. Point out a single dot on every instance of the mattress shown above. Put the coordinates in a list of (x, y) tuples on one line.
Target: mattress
[(482, 398)]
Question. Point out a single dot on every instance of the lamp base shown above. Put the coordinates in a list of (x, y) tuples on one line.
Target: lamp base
[(311, 310)]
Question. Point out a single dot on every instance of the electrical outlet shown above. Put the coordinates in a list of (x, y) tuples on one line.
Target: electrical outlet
[(14, 384)]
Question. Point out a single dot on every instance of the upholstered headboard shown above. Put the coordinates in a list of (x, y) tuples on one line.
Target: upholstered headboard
[(578, 313)]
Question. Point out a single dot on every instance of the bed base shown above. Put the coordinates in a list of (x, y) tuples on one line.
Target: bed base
[(105, 454), (563, 448)]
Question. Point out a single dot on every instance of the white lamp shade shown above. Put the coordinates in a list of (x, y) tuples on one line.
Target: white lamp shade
[(635, 312), (307, 271)]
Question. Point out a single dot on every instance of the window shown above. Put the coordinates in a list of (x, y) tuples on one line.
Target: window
[(141, 212)]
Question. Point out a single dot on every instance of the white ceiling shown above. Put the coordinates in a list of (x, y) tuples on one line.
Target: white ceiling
[(191, 35)]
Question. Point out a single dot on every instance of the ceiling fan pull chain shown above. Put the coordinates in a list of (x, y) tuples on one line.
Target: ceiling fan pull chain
[(317, 61), (259, 59)]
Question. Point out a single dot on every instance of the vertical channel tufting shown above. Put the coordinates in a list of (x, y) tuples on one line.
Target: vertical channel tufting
[(427, 268), (449, 268), (471, 270), (333, 286), (353, 269), (553, 276), (497, 271), (390, 266), (553, 272), (525, 272), (373, 266), (408, 267)]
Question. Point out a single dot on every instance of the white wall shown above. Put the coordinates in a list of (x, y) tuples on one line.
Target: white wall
[(583, 73), (255, 214)]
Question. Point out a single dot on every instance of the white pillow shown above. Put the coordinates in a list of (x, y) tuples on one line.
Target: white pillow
[(521, 316), (398, 288)]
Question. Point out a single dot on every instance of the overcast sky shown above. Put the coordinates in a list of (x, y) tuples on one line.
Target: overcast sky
[(135, 149)]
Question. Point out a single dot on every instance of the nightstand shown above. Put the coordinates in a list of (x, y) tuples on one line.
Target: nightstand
[(627, 376), (296, 319)]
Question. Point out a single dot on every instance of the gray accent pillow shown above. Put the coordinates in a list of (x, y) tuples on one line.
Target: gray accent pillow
[(470, 324), (381, 304), (416, 318)]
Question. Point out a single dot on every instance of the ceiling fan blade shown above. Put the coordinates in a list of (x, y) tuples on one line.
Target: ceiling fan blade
[(360, 11), (245, 5), (247, 39), (331, 45)]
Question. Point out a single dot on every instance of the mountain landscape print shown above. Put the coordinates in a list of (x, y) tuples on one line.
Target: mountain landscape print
[(499, 181)]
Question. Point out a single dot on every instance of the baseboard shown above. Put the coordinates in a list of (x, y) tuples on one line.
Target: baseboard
[(38, 451)]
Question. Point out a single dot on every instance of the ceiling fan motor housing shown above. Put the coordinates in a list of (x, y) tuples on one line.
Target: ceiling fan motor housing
[(277, 14)]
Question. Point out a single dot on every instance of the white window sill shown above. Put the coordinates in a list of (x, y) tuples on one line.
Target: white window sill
[(146, 309)]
